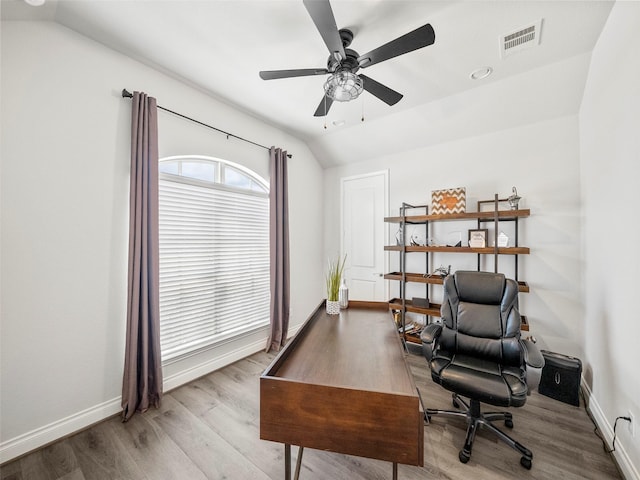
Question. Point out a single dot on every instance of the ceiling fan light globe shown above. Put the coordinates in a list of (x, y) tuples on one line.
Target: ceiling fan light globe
[(343, 86)]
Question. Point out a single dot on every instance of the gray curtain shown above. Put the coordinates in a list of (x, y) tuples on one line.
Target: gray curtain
[(278, 248), (142, 379)]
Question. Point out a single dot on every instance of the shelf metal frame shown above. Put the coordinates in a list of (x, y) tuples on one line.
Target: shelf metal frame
[(495, 216), (403, 265), (496, 221)]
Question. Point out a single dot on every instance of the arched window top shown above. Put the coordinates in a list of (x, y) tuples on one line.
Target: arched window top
[(213, 171)]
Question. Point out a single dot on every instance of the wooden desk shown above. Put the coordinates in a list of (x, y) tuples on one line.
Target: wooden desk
[(342, 385)]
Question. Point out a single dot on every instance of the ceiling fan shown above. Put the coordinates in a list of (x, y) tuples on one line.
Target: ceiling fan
[(343, 63)]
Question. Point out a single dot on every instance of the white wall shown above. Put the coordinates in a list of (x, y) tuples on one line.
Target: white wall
[(64, 199), (541, 160), (610, 168)]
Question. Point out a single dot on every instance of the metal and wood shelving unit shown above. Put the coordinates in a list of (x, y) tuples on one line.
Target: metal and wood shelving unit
[(496, 215)]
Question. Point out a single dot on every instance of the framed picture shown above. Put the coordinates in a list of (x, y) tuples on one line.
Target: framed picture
[(478, 238), (451, 200)]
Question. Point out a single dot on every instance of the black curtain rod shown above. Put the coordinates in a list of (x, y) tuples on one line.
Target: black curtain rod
[(127, 94)]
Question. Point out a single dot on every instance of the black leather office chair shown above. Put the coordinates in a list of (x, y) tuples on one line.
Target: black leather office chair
[(477, 353)]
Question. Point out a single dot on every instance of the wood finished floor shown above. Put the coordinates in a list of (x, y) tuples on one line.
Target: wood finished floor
[(209, 429)]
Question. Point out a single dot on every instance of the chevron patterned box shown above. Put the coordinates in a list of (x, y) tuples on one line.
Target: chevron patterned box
[(450, 200)]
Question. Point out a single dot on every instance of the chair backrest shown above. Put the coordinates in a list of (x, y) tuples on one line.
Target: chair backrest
[(480, 317)]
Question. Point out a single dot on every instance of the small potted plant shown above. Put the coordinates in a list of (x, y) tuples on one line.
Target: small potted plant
[(333, 278)]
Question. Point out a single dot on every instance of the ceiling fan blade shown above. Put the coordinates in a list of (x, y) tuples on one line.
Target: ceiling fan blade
[(304, 72), (322, 16), (384, 93), (420, 37), (323, 108)]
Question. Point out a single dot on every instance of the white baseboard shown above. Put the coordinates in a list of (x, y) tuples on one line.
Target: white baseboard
[(42, 436), (186, 376), (64, 427), (627, 468)]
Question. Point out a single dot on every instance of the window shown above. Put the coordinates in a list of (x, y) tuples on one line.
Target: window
[(214, 253)]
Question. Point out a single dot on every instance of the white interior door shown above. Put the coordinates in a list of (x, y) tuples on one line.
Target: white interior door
[(364, 206)]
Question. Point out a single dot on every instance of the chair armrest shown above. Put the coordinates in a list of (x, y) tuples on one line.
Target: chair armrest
[(534, 361), (532, 354), (429, 337)]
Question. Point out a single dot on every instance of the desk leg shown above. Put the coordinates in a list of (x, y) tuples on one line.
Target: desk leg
[(296, 476), (287, 461), (395, 471)]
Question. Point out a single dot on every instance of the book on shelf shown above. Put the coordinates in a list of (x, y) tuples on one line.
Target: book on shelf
[(411, 328)]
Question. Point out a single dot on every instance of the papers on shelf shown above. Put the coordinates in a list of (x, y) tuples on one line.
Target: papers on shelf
[(411, 328)]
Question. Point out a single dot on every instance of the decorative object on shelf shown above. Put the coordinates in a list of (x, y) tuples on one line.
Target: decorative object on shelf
[(399, 238), (333, 279), (440, 272), (454, 239), (450, 200), (503, 240), (420, 302), (343, 294), (478, 238), (418, 240), (397, 317), (514, 199)]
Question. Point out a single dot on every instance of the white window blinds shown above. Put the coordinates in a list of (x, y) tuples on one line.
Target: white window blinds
[(214, 263)]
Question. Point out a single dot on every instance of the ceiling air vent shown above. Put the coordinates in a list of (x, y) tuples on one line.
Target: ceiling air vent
[(521, 39)]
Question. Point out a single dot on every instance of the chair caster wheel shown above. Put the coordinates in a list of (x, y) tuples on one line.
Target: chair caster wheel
[(509, 424), (525, 462), (464, 457)]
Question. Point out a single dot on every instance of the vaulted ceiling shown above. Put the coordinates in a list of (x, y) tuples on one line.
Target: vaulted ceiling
[(220, 46)]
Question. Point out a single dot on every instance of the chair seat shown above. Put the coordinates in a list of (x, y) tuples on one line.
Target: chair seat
[(484, 380)]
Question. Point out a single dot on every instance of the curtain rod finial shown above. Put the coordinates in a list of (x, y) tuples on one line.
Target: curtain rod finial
[(126, 93)]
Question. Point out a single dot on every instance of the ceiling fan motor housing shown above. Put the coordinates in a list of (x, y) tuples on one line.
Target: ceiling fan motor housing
[(350, 63)]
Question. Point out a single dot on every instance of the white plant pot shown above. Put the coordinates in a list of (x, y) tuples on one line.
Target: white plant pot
[(333, 307)]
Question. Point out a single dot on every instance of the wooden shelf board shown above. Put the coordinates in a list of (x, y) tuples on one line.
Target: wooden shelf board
[(415, 278), (436, 280), (488, 215), (415, 337), (445, 249), (433, 309), (412, 338)]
